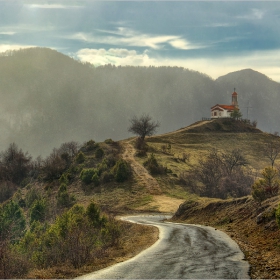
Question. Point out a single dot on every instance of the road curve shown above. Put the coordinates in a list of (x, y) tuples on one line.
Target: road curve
[(182, 252)]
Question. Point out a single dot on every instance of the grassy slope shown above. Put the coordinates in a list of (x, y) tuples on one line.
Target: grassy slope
[(259, 242), (130, 196)]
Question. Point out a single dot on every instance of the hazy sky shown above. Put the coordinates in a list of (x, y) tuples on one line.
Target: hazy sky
[(213, 37)]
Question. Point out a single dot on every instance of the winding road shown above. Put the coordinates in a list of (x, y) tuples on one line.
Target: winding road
[(182, 252)]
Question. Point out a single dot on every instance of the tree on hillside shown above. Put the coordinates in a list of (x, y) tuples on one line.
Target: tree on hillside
[(271, 150), (236, 114), (267, 186), (143, 126)]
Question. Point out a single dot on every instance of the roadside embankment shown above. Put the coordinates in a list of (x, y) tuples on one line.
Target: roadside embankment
[(250, 224)]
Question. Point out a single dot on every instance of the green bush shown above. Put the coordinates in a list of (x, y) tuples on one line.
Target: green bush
[(86, 175), (64, 179), (90, 145), (63, 197), (95, 179), (277, 215), (109, 141), (121, 171), (152, 165), (12, 221), (38, 210), (80, 157), (99, 153)]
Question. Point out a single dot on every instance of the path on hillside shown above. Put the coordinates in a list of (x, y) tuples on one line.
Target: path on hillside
[(182, 252), (197, 124), (142, 175)]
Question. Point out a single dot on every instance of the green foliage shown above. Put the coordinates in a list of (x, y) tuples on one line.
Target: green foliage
[(267, 186), (121, 170), (95, 179), (38, 210), (64, 179), (64, 199), (94, 216), (32, 195), (99, 153), (73, 239), (277, 215), (236, 114), (109, 141), (12, 221), (80, 158), (152, 165), (90, 145), (87, 174)]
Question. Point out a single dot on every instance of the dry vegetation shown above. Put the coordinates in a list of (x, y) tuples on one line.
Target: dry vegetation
[(252, 226)]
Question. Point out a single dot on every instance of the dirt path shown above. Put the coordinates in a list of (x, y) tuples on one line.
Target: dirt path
[(185, 128), (143, 176)]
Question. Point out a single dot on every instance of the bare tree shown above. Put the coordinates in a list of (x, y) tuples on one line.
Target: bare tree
[(271, 150), (143, 126), (233, 159)]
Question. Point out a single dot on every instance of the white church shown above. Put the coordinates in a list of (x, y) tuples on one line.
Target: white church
[(224, 111)]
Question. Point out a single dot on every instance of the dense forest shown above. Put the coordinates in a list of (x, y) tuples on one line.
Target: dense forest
[(48, 98)]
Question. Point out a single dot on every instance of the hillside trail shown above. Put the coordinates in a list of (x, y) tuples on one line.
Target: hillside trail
[(160, 202), (196, 124), (142, 175)]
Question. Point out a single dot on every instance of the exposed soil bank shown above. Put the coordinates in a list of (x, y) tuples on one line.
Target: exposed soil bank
[(252, 226)]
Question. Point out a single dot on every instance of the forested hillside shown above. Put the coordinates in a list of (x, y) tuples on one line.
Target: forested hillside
[(48, 98)]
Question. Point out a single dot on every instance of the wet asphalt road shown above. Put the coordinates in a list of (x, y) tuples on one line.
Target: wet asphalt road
[(182, 252)]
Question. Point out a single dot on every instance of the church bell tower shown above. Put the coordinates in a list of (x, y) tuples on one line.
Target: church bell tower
[(234, 99)]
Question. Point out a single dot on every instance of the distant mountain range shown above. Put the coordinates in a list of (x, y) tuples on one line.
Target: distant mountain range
[(48, 98)]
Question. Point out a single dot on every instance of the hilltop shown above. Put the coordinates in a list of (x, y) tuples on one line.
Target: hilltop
[(119, 179), (48, 98)]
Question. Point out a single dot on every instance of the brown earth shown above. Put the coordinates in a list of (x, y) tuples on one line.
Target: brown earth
[(141, 174), (251, 225)]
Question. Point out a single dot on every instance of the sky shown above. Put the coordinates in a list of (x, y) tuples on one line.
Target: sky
[(212, 37)]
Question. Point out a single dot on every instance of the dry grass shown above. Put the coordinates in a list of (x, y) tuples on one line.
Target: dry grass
[(134, 239)]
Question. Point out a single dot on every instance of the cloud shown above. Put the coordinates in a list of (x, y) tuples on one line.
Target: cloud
[(128, 37), (265, 62), (118, 57), (7, 33), (254, 14), (52, 6), (6, 47)]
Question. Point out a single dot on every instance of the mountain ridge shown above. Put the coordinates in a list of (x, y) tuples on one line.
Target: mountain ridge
[(49, 98)]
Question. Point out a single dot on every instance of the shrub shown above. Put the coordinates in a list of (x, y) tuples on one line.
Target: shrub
[(38, 210), (109, 141), (64, 179), (152, 165), (277, 215), (63, 197), (95, 179), (99, 153), (267, 186), (80, 157), (90, 145), (31, 196), (86, 175), (121, 170)]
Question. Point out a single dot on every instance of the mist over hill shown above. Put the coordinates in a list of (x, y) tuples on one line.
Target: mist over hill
[(48, 98)]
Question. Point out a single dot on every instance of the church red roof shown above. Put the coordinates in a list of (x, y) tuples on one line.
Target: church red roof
[(225, 107), (234, 93)]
